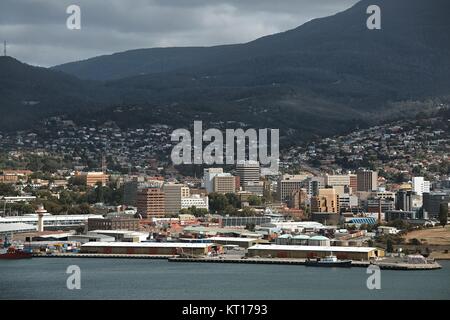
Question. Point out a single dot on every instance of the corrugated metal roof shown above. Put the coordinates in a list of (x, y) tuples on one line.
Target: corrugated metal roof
[(319, 238), (17, 219), (232, 239), (311, 248), (14, 227), (301, 237), (147, 244), (285, 236)]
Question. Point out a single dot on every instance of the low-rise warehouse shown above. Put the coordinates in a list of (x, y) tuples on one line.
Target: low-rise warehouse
[(150, 248), (304, 252), (91, 237), (19, 227), (241, 242)]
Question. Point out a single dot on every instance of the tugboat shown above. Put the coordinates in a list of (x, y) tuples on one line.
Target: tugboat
[(329, 261)]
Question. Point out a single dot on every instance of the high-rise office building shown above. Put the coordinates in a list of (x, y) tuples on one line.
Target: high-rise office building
[(208, 177), (255, 187), (432, 202), (420, 185), (150, 202), (173, 193), (337, 180), (287, 184), (403, 200), (224, 183), (353, 182), (367, 180), (327, 200), (313, 184), (248, 171), (135, 184), (298, 199), (348, 202)]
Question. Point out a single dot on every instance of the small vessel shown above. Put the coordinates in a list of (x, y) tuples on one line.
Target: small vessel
[(328, 261), (13, 253)]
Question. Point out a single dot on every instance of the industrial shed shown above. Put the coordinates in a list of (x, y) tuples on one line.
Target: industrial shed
[(149, 248), (241, 242), (304, 252), (319, 241)]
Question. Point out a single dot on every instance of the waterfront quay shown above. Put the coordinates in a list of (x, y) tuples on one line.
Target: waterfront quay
[(361, 264), (102, 256), (386, 265)]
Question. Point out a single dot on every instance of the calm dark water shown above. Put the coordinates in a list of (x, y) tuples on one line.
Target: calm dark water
[(158, 279)]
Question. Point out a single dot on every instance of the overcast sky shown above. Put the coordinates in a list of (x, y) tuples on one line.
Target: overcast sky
[(36, 29)]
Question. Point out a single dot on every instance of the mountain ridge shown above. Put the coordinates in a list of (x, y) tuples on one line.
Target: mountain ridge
[(330, 70)]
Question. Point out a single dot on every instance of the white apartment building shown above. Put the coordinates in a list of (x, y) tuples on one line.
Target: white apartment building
[(420, 185), (195, 200)]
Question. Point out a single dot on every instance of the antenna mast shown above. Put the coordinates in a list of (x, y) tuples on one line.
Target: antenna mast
[(4, 48)]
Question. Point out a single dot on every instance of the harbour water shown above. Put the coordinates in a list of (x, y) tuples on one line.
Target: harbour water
[(43, 278)]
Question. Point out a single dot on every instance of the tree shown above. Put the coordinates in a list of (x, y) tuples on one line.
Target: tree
[(99, 193), (250, 227), (443, 213), (200, 212), (53, 207), (218, 202), (185, 211), (77, 181), (85, 208), (400, 224), (197, 212), (21, 208), (389, 246), (267, 195), (7, 190), (230, 211), (248, 212), (254, 200), (233, 200), (400, 177)]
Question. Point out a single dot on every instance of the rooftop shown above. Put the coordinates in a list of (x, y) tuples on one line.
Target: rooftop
[(14, 227), (147, 244), (235, 239), (311, 248), (319, 238)]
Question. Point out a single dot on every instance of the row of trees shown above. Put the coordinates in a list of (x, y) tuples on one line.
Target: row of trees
[(229, 204), (7, 189), (68, 202), (198, 212)]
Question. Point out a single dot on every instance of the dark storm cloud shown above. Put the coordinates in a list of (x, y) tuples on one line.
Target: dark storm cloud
[(36, 29)]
